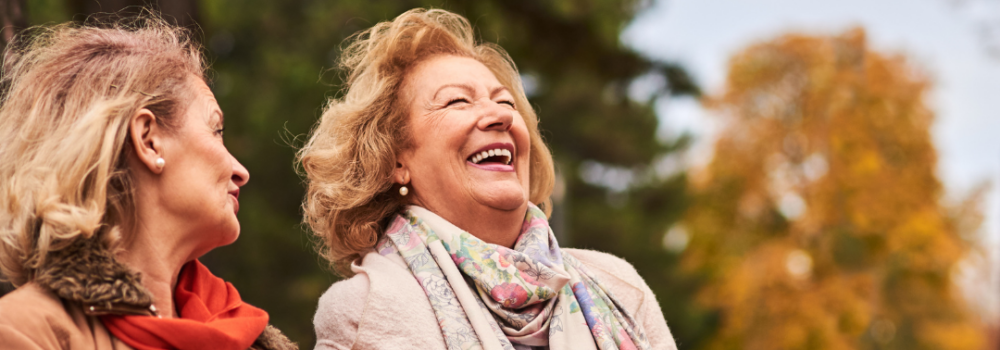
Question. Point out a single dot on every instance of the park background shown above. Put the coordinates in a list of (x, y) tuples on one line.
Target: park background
[(784, 174)]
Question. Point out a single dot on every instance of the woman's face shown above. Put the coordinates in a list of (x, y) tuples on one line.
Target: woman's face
[(470, 147), (200, 181)]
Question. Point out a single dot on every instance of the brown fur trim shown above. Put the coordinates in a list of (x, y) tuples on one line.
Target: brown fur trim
[(273, 339), (87, 273)]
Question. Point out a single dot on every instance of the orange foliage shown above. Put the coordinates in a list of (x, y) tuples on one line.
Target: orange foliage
[(818, 223)]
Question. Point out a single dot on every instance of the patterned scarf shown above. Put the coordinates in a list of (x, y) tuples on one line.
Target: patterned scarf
[(487, 296)]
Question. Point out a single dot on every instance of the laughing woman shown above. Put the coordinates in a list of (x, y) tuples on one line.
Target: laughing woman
[(429, 183), (114, 181)]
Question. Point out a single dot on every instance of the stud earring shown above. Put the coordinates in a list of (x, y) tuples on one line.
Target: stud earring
[(160, 162), (403, 191)]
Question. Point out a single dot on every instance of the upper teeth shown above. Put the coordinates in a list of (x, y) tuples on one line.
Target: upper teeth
[(490, 153)]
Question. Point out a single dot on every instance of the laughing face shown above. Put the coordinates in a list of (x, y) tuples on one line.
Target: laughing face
[(469, 150)]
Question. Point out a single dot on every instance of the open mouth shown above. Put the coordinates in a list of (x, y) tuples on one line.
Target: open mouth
[(493, 154)]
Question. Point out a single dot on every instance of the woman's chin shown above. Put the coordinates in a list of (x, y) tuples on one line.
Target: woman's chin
[(504, 199), (231, 239), (229, 234)]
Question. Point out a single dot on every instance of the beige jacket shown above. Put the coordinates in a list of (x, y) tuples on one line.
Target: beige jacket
[(60, 309), (32, 317), (384, 307)]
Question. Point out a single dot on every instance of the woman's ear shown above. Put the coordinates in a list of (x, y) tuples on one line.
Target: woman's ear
[(145, 135), (401, 173)]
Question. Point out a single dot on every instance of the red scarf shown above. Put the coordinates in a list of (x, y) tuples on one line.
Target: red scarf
[(210, 316)]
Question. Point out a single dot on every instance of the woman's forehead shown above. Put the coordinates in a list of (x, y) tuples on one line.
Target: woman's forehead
[(452, 71), (203, 103)]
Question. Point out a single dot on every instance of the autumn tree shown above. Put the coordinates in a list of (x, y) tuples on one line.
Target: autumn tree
[(819, 222)]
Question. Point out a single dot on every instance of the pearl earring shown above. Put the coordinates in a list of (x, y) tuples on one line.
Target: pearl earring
[(403, 191), (160, 162)]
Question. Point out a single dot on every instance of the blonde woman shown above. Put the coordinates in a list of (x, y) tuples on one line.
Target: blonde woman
[(114, 181), (429, 184)]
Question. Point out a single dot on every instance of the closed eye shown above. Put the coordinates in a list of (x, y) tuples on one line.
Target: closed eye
[(507, 102), (455, 101)]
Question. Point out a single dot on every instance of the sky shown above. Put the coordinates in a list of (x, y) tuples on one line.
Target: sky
[(946, 38)]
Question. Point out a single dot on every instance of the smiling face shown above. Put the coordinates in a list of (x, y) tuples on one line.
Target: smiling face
[(469, 149), (200, 180)]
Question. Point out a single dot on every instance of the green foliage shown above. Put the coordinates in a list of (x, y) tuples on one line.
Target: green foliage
[(46, 12), (270, 59), (273, 69)]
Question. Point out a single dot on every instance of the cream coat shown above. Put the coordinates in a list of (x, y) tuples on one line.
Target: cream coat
[(383, 306)]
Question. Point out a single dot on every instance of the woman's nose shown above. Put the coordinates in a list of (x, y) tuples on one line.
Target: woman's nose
[(496, 117), (240, 174)]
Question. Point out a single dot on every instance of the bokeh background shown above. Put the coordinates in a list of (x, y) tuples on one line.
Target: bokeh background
[(784, 174)]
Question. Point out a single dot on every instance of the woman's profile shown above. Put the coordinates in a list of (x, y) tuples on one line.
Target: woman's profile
[(429, 183), (114, 180)]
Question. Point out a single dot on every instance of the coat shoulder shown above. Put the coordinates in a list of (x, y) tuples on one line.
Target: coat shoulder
[(608, 264), (381, 306), (28, 302), (32, 317), (339, 313), (632, 291)]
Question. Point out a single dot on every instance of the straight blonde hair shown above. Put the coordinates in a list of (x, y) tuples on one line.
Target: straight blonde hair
[(70, 91)]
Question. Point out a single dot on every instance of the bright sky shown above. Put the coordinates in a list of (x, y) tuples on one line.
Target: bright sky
[(940, 36)]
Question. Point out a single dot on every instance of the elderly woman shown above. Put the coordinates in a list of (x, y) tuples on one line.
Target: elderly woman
[(115, 180), (428, 182)]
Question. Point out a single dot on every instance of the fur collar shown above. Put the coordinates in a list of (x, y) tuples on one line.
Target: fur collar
[(87, 274)]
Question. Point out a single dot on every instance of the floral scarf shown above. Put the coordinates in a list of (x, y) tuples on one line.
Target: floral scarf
[(487, 296)]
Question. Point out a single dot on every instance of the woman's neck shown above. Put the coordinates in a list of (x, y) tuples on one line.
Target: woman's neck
[(151, 253)]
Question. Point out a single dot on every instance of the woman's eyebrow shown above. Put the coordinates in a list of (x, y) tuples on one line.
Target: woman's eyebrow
[(497, 90), (222, 116), (468, 89)]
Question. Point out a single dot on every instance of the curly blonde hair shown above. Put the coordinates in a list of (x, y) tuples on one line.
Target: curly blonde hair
[(350, 156), (70, 92)]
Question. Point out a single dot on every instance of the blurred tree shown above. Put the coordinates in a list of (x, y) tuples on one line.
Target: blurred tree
[(818, 222), (270, 66), (180, 12), (12, 15), (269, 61)]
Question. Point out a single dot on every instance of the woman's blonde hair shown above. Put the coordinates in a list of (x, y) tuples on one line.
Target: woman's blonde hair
[(69, 93), (350, 156)]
